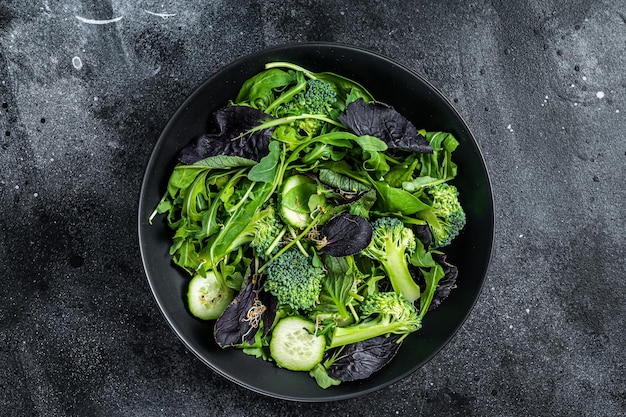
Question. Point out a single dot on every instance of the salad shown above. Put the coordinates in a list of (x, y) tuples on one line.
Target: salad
[(312, 223)]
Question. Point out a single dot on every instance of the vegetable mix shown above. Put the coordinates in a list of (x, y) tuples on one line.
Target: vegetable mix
[(312, 223)]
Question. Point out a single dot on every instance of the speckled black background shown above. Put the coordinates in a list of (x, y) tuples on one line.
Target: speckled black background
[(541, 84)]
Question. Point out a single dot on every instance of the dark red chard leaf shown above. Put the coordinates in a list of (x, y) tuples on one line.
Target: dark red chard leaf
[(423, 233), (232, 122), (360, 360), (447, 283), (345, 235), (241, 319), (384, 122)]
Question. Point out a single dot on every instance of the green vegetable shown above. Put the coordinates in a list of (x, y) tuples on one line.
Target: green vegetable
[(296, 192), (383, 313), (445, 216), (336, 300), (306, 191), (317, 98), (295, 346), (207, 297), (391, 244), (294, 280)]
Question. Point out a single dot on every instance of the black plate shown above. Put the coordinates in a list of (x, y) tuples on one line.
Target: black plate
[(389, 82)]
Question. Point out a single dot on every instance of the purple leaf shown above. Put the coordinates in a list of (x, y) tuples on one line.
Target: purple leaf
[(345, 235), (360, 360), (384, 122), (233, 122)]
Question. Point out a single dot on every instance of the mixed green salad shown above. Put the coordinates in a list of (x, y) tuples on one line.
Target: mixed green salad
[(311, 223)]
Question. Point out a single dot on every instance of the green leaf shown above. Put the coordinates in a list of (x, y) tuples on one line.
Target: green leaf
[(265, 170), (164, 206), (341, 182), (375, 162), (259, 88), (421, 257), (371, 143), (401, 172), (397, 200), (182, 177), (362, 206), (221, 162), (320, 374), (439, 164), (237, 222), (432, 276), (420, 182)]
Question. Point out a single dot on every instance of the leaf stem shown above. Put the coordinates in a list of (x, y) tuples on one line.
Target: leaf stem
[(289, 65), (295, 240)]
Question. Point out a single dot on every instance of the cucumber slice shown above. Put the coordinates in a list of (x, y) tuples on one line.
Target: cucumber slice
[(294, 346), (292, 217), (206, 298)]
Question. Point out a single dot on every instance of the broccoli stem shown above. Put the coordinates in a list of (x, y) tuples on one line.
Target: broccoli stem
[(276, 241), (397, 270), (366, 330)]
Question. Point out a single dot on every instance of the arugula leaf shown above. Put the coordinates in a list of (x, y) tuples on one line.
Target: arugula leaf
[(439, 163), (221, 162), (265, 170)]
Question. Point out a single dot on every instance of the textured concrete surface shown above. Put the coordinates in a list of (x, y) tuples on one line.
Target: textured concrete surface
[(541, 84)]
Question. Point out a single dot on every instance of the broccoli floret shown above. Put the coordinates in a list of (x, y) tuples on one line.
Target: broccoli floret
[(445, 217), (263, 233), (382, 313), (317, 98), (267, 234), (391, 244), (293, 279)]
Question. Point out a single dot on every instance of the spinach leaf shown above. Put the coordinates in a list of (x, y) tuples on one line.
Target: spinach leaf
[(384, 122), (320, 374), (397, 200), (363, 204), (233, 138), (371, 143), (340, 182), (258, 91), (181, 178)]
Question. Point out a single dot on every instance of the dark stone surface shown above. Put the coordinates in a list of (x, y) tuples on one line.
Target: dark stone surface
[(541, 84)]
